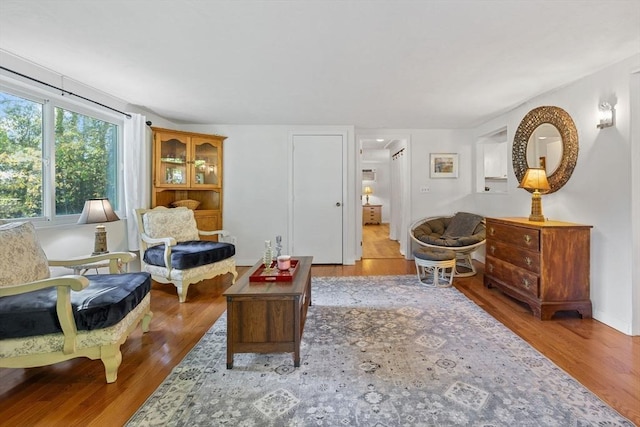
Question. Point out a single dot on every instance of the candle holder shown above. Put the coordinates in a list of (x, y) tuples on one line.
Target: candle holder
[(267, 258), (278, 246)]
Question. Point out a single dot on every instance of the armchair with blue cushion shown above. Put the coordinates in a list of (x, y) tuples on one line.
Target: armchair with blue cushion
[(171, 249), (46, 320)]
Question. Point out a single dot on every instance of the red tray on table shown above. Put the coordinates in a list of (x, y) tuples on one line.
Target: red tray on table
[(273, 274)]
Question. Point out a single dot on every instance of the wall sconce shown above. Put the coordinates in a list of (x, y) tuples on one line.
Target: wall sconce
[(98, 211), (368, 190), (535, 179), (605, 115)]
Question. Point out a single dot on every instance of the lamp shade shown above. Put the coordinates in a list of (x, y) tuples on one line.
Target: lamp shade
[(97, 211), (535, 179), (368, 190)]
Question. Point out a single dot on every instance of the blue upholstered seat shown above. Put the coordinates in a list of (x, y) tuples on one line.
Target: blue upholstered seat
[(105, 302), (190, 254)]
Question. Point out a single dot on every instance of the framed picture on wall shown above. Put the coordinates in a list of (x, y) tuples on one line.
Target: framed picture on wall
[(443, 165)]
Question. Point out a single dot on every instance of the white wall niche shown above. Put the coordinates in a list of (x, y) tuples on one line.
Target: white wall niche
[(492, 162)]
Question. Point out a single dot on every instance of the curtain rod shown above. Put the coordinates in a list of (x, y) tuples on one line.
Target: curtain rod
[(65, 91)]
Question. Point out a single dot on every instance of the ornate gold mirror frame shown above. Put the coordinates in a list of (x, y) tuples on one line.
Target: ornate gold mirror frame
[(563, 122)]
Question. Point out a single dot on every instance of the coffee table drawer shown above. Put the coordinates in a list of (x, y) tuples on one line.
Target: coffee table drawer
[(262, 321)]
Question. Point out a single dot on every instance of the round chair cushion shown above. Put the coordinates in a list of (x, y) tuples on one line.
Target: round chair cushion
[(432, 254), (432, 232)]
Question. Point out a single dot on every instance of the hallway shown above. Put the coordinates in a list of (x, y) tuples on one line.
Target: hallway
[(376, 243)]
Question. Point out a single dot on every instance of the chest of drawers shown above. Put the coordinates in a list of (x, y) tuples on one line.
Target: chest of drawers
[(543, 264), (371, 214)]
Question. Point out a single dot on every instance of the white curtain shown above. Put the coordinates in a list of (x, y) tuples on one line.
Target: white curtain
[(402, 190), (137, 172), (396, 196), (398, 226)]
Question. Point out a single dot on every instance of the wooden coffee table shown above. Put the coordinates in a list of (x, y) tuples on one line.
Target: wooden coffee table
[(268, 317)]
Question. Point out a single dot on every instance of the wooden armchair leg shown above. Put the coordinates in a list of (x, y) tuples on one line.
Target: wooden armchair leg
[(146, 320), (111, 358), (182, 289)]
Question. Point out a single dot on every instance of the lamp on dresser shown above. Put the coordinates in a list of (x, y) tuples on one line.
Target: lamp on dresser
[(367, 191), (535, 179)]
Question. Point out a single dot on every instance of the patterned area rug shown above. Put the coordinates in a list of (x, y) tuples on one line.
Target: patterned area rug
[(378, 351)]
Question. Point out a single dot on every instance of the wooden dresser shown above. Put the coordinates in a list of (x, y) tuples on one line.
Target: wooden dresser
[(371, 214), (544, 264)]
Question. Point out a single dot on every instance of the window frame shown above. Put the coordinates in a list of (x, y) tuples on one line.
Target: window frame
[(50, 101)]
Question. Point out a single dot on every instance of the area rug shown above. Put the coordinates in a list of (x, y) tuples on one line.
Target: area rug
[(378, 351)]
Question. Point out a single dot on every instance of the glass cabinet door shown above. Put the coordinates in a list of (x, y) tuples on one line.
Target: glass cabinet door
[(206, 167), (172, 164)]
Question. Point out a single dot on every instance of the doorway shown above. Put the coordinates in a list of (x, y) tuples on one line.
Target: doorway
[(382, 195)]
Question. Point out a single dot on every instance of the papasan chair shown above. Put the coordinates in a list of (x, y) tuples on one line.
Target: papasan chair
[(462, 233)]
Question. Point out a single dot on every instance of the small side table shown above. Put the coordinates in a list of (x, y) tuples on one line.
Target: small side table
[(82, 269)]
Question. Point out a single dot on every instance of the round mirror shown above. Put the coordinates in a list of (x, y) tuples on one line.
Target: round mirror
[(544, 148), (547, 138)]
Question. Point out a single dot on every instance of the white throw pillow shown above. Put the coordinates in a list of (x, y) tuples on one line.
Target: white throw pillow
[(22, 259)]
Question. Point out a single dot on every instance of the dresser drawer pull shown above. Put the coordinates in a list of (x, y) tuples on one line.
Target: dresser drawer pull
[(491, 268), (493, 250), (526, 283), (527, 261), (527, 239), (492, 231)]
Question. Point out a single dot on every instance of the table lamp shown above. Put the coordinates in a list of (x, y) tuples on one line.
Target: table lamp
[(98, 211), (535, 179), (367, 190)]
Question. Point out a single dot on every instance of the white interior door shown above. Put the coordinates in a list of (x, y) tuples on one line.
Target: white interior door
[(317, 184)]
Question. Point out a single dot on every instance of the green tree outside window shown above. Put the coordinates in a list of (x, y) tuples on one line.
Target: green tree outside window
[(85, 159)]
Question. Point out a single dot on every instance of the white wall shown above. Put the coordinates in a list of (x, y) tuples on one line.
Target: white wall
[(256, 186), (446, 195), (599, 192), (635, 199)]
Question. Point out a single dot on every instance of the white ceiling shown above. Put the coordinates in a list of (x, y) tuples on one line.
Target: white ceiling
[(372, 64)]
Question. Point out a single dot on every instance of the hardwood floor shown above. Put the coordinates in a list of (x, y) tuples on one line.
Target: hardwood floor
[(376, 243), (74, 393)]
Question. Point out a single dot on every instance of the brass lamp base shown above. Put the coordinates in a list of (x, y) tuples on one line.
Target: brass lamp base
[(536, 207), (367, 200), (100, 243)]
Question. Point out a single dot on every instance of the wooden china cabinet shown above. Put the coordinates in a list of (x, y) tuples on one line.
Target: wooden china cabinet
[(188, 165)]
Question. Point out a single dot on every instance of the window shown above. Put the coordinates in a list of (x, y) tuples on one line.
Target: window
[(54, 156)]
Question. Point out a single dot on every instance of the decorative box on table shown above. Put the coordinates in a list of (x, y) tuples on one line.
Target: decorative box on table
[(274, 274)]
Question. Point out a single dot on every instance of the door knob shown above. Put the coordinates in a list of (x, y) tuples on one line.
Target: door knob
[(338, 204)]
